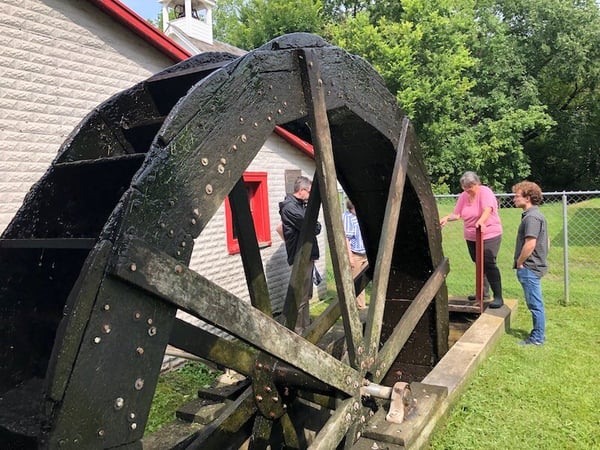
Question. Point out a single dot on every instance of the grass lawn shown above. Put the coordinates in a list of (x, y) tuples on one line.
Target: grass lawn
[(532, 398), (174, 389)]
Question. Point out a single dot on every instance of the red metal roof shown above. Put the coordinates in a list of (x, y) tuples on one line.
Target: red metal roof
[(297, 142), (129, 18)]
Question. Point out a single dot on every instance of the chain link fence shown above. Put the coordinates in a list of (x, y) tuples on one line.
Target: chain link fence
[(574, 231)]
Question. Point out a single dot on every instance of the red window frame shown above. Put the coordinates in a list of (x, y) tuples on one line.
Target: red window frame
[(258, 196)]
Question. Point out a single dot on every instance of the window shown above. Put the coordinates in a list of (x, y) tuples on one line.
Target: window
[(256, 187)]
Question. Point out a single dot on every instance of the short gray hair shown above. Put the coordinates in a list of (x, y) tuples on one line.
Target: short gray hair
[(302, 182), (469, 179)]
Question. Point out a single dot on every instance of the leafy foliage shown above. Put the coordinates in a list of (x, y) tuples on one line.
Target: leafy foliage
[(250, 24), (506, 88)]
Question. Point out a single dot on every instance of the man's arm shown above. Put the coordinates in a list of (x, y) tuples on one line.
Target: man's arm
[(279, 230), (526, 251), (349, 252)]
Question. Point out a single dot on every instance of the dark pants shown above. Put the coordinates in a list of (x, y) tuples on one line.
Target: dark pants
[(303, 318), (490, 251)]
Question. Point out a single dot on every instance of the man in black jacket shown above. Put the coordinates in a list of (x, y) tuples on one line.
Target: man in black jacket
[(292, 210)]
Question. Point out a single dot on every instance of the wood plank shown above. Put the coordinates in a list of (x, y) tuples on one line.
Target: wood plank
[(336, 428), (167, 278), (249, 250), (78, 309), (61, 243), (321, 138), (234, 419), (224, 352), (386, 244)]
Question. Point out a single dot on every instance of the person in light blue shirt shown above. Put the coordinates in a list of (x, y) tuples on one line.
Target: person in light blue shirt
[(356, 248)]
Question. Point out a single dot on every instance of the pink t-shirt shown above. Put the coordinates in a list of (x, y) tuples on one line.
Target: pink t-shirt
[(470, 212)]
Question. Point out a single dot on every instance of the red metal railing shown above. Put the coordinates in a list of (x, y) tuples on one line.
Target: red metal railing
[(479, 285)]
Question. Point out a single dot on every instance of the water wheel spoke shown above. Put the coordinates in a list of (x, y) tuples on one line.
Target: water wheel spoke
[(409, 320), (321, 137), (232, 354), (351, 435), (250, 252), (296, 292), (386, 243), (290, 437), (336, 427), (261, 432), (323, 323), (165, 277), (226, 430)]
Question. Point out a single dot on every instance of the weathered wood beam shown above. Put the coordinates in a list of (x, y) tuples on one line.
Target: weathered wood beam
[(249, 250), (386, 244), (290, 436), (224, 352), (336, 427), (261, 432), (220, 432), (165, 277), (312, 85)]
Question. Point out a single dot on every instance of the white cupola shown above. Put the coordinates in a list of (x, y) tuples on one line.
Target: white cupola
[(192, 17)]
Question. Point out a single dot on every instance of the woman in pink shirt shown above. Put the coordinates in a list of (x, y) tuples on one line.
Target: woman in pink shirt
[(478, 208)]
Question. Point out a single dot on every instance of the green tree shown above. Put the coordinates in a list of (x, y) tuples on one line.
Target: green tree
[(250, 24), (560, 46), (507, 88), (226, 19), (453, 68)]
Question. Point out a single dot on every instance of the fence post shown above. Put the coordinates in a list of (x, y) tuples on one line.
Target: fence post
[(565, 247)]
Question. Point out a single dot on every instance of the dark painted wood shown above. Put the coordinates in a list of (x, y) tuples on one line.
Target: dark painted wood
[(145, 190), (409, 320), (312, 83), (229, 353), (249, 250), (163, 276)]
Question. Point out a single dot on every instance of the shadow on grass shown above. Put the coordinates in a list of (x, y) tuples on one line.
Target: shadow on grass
[(518, 333)]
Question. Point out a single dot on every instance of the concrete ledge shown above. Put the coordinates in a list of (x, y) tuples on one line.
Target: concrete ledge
[(458, 365)]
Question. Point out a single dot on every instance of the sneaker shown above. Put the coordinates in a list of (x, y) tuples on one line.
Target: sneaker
[(530, 341), (474, 297)]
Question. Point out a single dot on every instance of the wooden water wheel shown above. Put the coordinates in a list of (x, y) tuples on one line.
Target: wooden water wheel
[(95, 264)]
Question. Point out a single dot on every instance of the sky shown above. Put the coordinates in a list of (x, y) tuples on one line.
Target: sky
[(148, 9)]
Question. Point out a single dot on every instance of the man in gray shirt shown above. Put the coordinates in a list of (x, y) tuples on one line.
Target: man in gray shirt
[(531, 252)]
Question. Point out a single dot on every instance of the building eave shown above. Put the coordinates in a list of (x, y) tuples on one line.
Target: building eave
[(297, 142)]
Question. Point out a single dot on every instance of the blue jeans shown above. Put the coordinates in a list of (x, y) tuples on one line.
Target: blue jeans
[(532, 288)]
